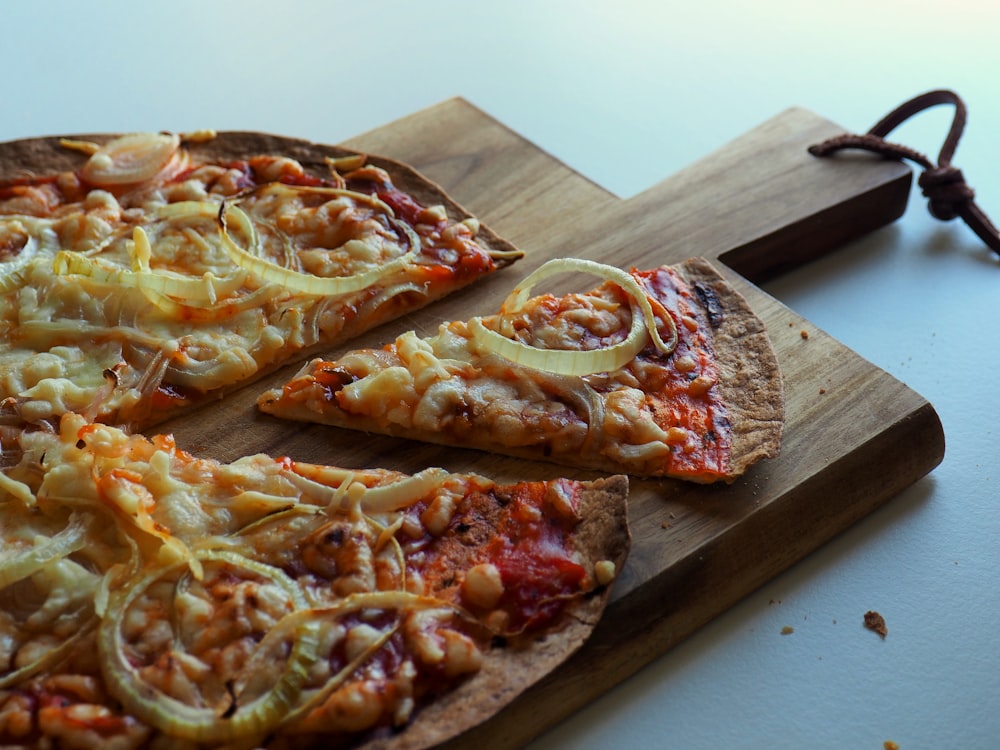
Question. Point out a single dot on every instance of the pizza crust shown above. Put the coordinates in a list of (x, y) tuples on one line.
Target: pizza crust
[(750, 377)]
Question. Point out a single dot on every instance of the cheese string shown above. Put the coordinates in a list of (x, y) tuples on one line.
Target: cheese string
[(943, 184)]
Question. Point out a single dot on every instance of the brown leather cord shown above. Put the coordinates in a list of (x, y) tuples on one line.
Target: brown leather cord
[(943, 185)]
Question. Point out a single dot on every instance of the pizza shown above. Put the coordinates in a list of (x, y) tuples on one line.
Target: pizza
[(153, 599), (144, 274), (657, 373)]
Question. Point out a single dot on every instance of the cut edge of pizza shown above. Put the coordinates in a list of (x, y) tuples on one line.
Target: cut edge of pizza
[(145, 274), (270, 603), (665, 372)]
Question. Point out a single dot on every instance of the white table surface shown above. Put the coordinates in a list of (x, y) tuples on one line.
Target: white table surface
[(626, 92)]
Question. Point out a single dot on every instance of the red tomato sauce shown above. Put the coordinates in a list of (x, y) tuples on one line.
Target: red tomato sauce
[(530, 544), (679, 403)]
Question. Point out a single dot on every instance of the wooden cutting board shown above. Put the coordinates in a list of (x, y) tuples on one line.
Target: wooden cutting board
[(854, 435)]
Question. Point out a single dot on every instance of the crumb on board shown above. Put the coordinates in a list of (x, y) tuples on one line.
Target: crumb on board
[(890, 745), (876, 623), (822, 391), (804, 333), (787, 630)]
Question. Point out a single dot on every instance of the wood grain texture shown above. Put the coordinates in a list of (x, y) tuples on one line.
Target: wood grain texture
[(854, 435)]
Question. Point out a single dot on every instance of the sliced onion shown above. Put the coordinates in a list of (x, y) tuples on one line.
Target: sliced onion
[(17, 489), (379, 499), (402, 494), (186, 298), (319, 697), (171, 360), (306, 283), (573, 362), (282, 514), (372, 200), (50, 658), (330, 495), (154, 369), (41, 237), (221, 367), (56, 547), (261, 268), (131, 158), (408, 287), (576, 393), (135, 502), (206, 288), (204, 724), (314, 619), (203, 313), (45, 332), (397, 600), (115, 574)]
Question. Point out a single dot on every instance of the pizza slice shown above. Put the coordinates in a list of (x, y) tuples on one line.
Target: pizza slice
[(665, 372), (152, 599), (144, 274)]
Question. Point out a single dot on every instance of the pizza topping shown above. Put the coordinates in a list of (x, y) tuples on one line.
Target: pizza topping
[(129, 159), (573, 360), (483, 585)]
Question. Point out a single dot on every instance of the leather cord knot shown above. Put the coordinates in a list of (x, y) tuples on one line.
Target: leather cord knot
[(946, 191), (943, 185)]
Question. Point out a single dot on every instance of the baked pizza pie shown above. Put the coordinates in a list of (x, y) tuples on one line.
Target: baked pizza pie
[(152, 599), (146, 273), (661, 372)]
